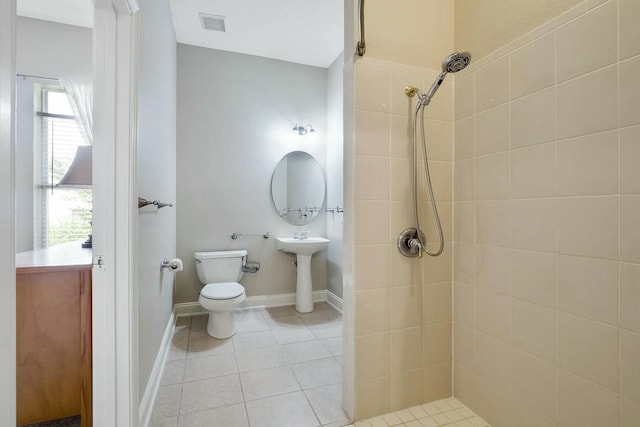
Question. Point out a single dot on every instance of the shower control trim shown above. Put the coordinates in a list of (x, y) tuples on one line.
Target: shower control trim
[(409, 244)]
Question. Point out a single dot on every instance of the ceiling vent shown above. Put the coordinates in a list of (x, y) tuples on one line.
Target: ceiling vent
[(212, 22)]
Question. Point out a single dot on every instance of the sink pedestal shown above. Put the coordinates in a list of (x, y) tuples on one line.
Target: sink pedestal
[(304, 292)]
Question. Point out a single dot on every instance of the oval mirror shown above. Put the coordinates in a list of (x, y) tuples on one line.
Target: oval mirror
[(298, 188)]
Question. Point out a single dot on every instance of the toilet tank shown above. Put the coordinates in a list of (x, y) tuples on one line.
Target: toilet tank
[(220, 266)]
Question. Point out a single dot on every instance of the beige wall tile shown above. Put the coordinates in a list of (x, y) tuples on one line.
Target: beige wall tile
[(630, 296), (372, 178), (403, 271), (372, 311), (372, 88), (464, 263), (373, 133), (464, 185), (464, 346), (437, 343), (533, 119), (405, 307), (373, 397), (492, 84), (533, 224), (493, 221), (629, 412), (533, 277), (533, 66), (533, 171), (630, 92), (629, 359), (629, 160), (492, 176), (464, 96), (535, 382), (400, 102), (589, 349), (373, 266), (436, 383), (588, 287), (464, 305), (401, 136), (406, 389), (373, 357), (441, 175), (588, 103), (534, 330), (439, 136), (436, 304), (588, 226), (493, 314), (494, 361), (629, 29), (464, 385), (438, 269), (464, 222), (406, 349), (464, 136), (495, 403), (582, 403), (492, 266), (401, 182), (492, 130), (372, 226), (588, 165), (588, 42), (630, 228)]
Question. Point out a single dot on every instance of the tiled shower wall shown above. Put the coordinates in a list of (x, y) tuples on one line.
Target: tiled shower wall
[(547, 224), (402, 306)]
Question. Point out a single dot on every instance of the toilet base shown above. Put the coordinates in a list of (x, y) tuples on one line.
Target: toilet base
[(221, 325)]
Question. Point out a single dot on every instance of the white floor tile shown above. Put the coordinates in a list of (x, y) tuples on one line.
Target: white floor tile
[(225, 416), (287, 410), (261, 358), (291, 335), (268, 382), (217, 365), (291, 321), (327, 403), (208, 346), (317, 373), (250, 321), (167, 402), (173, 372), (273, 312), (252, 340), (305, 351), (165, 422), (210, 393)]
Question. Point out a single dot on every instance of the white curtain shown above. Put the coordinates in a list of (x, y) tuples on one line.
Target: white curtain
[(81, 99)]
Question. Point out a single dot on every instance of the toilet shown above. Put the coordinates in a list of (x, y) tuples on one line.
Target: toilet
[(219, 272)]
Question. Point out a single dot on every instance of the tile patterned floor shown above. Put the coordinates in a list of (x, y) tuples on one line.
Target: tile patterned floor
[(447, 412), (282, 368)]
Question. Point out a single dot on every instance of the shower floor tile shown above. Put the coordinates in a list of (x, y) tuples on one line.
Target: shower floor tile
[(441, 413)]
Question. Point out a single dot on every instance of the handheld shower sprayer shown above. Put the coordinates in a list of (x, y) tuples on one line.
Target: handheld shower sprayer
[(411, 241)]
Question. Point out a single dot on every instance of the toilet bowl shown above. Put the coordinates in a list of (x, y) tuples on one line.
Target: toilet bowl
[(221, 294)]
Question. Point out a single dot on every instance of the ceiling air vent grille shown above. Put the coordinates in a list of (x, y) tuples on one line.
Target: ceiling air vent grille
[(212, 22)]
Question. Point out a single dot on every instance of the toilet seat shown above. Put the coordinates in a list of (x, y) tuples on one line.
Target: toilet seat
[(222, 291)]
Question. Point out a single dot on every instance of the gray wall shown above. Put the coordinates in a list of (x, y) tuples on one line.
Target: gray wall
[(335, 175), (235, 114), (156, 177), (44, 49)]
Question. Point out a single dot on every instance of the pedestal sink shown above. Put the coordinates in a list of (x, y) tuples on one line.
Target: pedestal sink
[(304, 249)]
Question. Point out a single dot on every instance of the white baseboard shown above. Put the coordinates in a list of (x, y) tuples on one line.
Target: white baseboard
[(150, 392), (277, 300)]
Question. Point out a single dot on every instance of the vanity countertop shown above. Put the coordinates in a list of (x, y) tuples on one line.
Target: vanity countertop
[(65, 254)]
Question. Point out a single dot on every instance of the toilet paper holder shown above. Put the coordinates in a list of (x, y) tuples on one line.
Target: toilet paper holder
[(174, 265)]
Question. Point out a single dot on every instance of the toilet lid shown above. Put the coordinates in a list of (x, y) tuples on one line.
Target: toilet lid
[(225, 290)]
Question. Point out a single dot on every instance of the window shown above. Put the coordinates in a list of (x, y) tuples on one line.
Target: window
[(61, 214)]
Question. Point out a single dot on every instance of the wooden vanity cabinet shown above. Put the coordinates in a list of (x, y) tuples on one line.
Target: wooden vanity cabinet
[(53, 331)]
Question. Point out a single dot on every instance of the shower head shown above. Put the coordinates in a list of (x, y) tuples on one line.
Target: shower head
[(453, 63)]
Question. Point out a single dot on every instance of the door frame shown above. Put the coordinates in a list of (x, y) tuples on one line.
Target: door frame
[(115, 354)]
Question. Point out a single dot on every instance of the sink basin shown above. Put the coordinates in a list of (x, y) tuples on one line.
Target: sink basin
[(303, 249), (308, 246)]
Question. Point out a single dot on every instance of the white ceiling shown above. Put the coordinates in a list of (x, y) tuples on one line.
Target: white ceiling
[(303, 31)]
